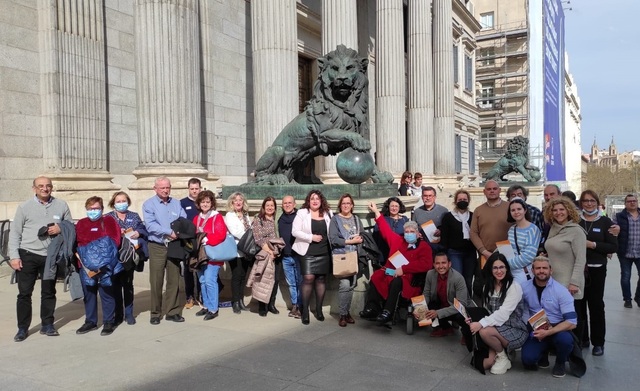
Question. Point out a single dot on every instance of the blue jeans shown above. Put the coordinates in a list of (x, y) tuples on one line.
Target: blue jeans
[(291, 269), (464, 262), (208, 277), (625, 277), (533, 349)]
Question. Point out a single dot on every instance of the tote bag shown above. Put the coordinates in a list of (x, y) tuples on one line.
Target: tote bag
[(345, 265)]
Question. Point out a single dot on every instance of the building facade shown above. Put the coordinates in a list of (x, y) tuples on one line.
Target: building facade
[(104, 95), (522, 87)]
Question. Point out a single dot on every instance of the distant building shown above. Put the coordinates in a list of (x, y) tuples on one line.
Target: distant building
[(610, 157)]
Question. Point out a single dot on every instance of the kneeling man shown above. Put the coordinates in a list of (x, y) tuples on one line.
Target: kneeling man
[(543, 292), (444, 284)]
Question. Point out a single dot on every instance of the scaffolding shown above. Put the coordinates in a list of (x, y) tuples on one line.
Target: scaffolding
[(502, 82)]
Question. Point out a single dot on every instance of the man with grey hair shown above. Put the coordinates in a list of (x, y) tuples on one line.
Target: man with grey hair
[(35, 223), (159, 212)]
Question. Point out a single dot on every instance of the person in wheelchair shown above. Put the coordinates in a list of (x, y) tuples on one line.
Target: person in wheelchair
[(442, 286), (389, 283)]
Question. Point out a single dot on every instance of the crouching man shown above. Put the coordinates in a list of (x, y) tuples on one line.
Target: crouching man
[(543, 292)]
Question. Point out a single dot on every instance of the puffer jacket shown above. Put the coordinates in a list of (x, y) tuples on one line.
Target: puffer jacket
[(100, 255), (263, 273)]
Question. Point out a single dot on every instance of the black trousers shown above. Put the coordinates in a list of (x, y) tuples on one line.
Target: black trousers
[(123, 294), (32, 265), (239, 267), (375, 300), (593, 300)]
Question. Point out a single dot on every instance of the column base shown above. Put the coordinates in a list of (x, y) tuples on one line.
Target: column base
[(331, 178), (179, 176)]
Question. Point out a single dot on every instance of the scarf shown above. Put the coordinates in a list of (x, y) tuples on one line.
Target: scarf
[(463, 218)]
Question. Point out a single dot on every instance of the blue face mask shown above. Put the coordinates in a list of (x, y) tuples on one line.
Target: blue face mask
[(593, 212), (93, 214), (121, 206), (410, 237)]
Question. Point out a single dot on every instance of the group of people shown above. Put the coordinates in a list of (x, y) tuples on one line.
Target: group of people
[(505, 261)]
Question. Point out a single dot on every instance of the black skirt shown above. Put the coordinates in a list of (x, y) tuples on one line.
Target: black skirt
[(315, 264)]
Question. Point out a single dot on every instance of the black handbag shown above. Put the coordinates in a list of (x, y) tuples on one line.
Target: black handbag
[(247, 247)]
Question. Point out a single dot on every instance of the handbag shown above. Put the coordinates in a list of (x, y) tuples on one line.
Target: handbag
[(345, 265), (225, 251), (247, 247), (73, 285)]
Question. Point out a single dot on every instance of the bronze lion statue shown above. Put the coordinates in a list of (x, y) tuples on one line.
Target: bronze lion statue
[(516, 159), (334, 119)]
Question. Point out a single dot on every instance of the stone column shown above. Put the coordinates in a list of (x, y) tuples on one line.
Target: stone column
[(444, 132), (274, 44), (390, 90), (420, 141), (339, 27), (74, 105), (168, 91)]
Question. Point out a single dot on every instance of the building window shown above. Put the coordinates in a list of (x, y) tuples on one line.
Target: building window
[(304, 82), (488, 139), (455, 64), (486, 91), (468, 73), (487, 56), (458, 154), (472, 155), (486, 20)]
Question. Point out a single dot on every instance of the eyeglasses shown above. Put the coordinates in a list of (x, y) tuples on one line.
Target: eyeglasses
[(346, 203), (631, 201), (589, 201), (496, 268), (44, 187)]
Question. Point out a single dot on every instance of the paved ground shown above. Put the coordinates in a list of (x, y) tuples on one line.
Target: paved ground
[(246, 352)]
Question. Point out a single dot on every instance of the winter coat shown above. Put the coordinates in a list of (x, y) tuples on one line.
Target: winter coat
[(262, 277), (60, 251)]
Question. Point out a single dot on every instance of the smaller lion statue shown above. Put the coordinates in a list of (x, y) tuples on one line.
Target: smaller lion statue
[(516, 159), (334, 119)]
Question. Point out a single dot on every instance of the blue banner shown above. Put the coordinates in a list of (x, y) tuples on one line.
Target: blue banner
[(553, 107)]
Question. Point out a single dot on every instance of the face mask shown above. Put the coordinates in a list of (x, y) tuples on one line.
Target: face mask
[(462, 205), (94, 215), (410, 237), (593, 212), (121, 206)]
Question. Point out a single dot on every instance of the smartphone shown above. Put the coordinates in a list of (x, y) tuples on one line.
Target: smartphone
[(390, 272)]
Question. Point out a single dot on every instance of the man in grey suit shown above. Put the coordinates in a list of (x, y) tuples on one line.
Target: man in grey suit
[(443, 284)]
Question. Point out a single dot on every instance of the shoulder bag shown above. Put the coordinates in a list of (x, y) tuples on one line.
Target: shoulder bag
[(345, 265)]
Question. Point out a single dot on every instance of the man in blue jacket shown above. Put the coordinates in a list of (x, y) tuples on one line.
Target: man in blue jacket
[(629, 247)]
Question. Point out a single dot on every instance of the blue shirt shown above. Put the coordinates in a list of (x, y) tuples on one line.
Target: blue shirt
[(555, 299), (158, 216)]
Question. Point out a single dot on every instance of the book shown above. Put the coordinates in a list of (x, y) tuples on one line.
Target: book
[(90, 273), (127, 234), (460, 307), (430, 229), (420, 309), (398, 260), (504, 248), (539, 321)]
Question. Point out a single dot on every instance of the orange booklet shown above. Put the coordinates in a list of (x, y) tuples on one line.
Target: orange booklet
[(420, 310), (539, 321), (90, 273)]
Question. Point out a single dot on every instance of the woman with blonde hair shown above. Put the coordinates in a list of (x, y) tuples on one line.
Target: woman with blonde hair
[(566, 245), (237, 221)]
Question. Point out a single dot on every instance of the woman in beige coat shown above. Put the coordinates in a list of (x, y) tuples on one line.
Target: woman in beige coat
[(566, 245)]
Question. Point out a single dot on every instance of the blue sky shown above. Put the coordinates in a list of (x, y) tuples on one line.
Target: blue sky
[(604, 58)]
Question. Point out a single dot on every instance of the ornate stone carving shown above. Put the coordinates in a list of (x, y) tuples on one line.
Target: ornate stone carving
[(334, 119), (516, 159)]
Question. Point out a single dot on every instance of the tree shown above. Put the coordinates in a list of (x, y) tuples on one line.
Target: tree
[(605, 182)]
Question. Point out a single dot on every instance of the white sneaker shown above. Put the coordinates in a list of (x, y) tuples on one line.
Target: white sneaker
[(502, 364)]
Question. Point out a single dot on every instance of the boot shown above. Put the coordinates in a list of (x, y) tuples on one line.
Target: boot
[(319, 314), (272, 306), (262, 308), (242, 306), (236, 307), (502, 364), (305, 315)]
